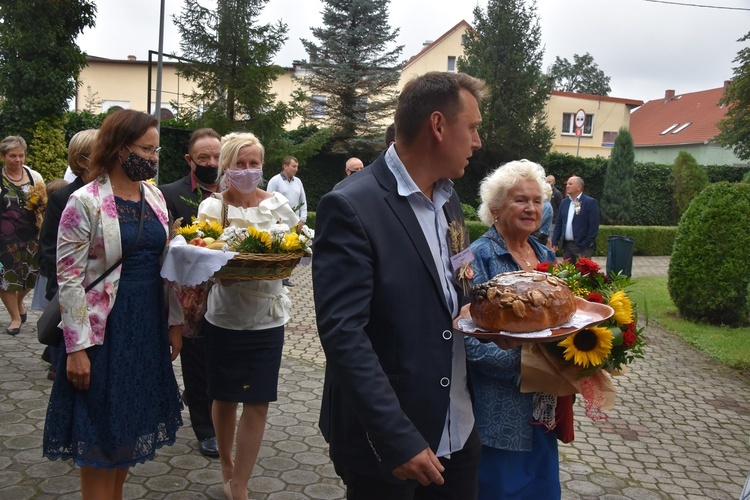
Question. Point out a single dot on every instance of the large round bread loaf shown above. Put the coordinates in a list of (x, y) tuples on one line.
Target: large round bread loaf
[(522, 301)]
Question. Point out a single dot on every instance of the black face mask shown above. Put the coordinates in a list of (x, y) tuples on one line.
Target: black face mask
[(206, 175), (138, 168)]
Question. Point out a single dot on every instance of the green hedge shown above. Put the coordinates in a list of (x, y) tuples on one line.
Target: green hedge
[(649, 240)]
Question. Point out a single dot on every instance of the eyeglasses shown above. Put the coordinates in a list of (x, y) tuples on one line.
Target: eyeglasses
[(149, 150)]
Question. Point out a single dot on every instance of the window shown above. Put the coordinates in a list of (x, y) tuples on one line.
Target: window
[(666, 130), (108, 104), (451, 63), (608, 139), (681, 127), (463, 39), (318, 106), (569, 128)]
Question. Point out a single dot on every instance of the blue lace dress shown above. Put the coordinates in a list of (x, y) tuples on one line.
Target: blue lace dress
[(132, 406)]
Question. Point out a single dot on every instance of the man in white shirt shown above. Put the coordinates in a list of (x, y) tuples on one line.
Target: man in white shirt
[(288, 184)]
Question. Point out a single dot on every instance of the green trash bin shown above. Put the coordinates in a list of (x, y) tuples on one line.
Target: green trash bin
[(620, 255)]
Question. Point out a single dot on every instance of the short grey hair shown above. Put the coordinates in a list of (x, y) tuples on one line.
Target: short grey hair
[(494, 188), (12, 142)]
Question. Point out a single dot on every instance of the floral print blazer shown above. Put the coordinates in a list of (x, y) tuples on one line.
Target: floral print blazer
[(88, 243)]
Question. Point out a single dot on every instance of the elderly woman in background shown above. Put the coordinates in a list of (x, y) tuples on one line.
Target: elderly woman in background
[(519, 454), (245, 320), (18, 231), (79, 151), (119, 400)]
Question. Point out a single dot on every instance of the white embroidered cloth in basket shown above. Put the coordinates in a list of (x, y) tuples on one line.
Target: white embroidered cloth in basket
[(192, 265)]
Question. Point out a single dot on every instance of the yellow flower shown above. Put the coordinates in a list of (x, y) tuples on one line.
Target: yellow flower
[(291, 242), (620, 302), (210, 228), (187, 232), (589, 347), (261, 236)]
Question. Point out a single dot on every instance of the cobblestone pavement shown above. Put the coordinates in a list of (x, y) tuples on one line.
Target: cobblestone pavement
[(679, 429)]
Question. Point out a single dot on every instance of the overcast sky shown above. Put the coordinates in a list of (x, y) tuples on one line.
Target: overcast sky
[(644, 46)]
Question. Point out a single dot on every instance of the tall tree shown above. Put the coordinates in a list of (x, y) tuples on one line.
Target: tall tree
[(232, 66), (582, 76), (39, 59), (506, 53), (735, 128), (352, 69), (617, 195)]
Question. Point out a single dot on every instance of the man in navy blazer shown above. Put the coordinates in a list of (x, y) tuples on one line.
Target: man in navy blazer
[(577, 222), (396, 400)]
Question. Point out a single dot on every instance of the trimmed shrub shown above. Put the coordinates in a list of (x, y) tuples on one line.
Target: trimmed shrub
[(746, 179), (470, 212), (48, 151), (709, 271), (689, 180)]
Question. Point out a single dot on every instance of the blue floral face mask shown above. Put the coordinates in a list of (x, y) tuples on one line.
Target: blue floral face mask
[(138, 168)]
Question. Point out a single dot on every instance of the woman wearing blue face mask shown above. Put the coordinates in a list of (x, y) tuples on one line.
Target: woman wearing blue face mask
[(244, 326)]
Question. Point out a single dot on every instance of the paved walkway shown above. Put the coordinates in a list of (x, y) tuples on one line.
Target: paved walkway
[(679, 429)]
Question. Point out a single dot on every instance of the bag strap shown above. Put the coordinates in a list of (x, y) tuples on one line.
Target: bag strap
[(224, 213), (137, 240)]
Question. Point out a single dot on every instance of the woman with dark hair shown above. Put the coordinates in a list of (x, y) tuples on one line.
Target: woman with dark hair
[(115, 399), (19, 260)]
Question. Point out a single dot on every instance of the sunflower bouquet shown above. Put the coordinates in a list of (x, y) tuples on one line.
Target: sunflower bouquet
[(610, 345), (583, 361)]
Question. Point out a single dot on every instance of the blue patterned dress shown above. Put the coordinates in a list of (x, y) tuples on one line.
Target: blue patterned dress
[(132, 406), (519, 457)]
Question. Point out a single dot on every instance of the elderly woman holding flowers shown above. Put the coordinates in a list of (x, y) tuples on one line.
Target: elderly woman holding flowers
[(245, 320), (519, 452)]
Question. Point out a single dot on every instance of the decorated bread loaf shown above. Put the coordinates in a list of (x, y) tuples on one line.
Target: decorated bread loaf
[(522, 301)]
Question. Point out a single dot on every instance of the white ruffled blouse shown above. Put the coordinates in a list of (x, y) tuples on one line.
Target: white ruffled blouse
[(256, 304)]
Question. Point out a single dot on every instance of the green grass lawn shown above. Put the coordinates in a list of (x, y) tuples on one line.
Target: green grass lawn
[(730, 346)]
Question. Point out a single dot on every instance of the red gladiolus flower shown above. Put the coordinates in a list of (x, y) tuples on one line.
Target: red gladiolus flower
[(628, 338), (595, 297), (543, 267), (586, 266)]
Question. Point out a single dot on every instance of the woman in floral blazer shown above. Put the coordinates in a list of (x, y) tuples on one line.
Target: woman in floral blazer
[(115, 398)]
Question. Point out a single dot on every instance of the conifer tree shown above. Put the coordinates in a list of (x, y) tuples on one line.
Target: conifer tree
[(689, 180), (231, 56), (617, 195), (353, 74), (506, 52)]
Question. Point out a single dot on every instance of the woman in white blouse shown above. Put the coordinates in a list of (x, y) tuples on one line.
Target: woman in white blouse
[(245, 320)]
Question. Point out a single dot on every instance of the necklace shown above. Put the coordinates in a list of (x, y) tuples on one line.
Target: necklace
[(526, 260), (5, 171)]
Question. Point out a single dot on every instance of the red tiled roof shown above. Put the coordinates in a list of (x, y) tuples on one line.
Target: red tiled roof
[(431, 45), (700, 109)]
